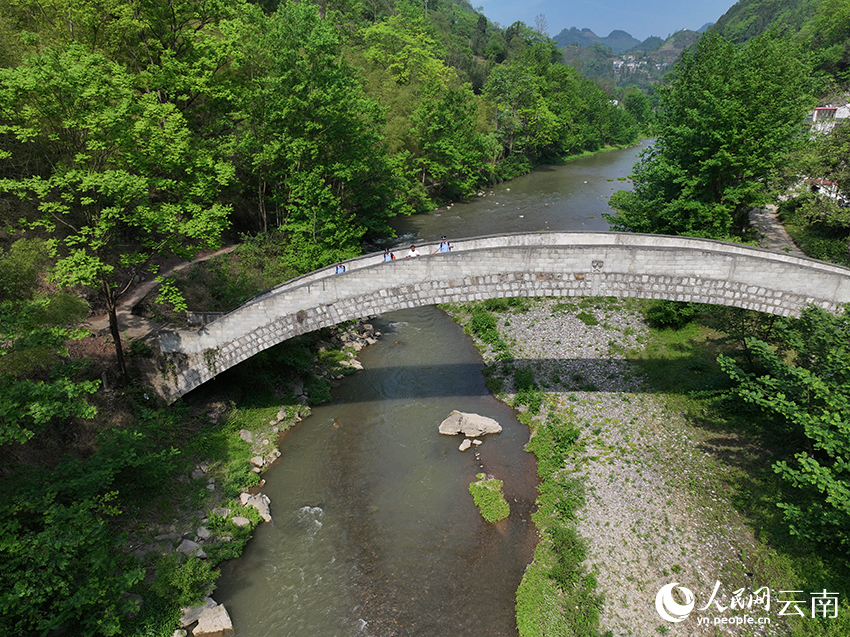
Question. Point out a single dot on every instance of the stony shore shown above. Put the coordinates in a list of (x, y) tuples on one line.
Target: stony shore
[(654, 514)]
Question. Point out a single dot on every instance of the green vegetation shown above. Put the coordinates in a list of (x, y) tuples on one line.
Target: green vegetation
[(727, 122), (774, 404), (488, 497), (802, 385), (557, 596), (88, 488), (38, 385)]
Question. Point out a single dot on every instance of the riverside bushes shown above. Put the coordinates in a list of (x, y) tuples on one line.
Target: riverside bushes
[(557, 595)]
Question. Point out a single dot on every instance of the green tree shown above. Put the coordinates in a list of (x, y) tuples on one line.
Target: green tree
[(407, 51), (727, 122), (452, 156), (34, 330), (810, 392), (311, 138), (521, 116), (117, 176), (640, 107)]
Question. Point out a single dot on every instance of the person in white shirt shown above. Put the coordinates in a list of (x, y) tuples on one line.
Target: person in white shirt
[(413, 252)]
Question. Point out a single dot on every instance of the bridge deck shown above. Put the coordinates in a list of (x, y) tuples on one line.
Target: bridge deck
[(529, 264)]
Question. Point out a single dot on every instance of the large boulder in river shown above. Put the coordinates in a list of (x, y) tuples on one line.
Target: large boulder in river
[(470, 425)]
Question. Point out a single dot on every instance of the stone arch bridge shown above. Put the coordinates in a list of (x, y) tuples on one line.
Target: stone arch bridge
[(532, 264)]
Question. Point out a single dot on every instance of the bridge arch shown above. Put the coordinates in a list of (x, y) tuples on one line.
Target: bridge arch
[(528, 264)]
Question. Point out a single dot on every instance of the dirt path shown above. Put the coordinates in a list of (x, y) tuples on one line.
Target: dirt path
[(133, 326), (773, 234)]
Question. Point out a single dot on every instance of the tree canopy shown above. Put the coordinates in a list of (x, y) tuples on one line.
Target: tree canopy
[(728, 120), (809, 392)]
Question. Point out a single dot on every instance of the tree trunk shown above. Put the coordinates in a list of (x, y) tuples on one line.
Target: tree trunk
[(111, 303)]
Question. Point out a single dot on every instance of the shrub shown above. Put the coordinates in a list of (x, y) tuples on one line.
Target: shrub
[(184, 580), (670, 314)]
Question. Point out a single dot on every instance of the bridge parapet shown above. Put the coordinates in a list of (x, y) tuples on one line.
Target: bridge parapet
[(535, 264)]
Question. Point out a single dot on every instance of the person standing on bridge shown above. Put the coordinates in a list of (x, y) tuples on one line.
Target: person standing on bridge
[(444, 246), (388, 256), (340, 268), (413, 252)]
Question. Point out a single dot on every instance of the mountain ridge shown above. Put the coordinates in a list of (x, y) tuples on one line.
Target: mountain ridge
[(618, 41)]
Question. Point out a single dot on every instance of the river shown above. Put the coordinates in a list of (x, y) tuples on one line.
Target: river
[(374, 530)]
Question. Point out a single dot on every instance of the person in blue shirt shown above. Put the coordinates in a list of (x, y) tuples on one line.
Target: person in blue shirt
[(388, 256), (340, 268), (444, 246)]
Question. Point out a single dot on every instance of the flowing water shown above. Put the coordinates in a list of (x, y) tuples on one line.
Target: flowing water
[(565, 197), (374, 531)]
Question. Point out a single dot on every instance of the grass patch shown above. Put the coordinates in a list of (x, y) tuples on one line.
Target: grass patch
[(557, 595), (488, 497), (587, 318)]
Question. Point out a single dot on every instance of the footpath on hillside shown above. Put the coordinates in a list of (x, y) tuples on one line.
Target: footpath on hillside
[(136, 327), (772, 234)]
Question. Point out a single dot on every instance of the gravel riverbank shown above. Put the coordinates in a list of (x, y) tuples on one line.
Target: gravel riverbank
[(653, 513)]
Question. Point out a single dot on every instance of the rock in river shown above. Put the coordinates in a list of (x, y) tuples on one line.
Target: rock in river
[(470, 425)]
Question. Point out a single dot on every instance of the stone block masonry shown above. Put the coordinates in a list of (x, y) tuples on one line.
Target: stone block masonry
[(558, 264)]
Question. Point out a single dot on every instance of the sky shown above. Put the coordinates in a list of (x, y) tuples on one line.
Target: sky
[(640, 18)]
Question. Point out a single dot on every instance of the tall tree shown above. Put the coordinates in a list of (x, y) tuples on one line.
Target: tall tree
[(119, 178), (727, 122), (451, 155), (314, 140)]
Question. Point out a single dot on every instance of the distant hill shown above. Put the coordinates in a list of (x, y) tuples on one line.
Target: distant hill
[(617, 41), (642, 64), (749, 18), (652, 43)]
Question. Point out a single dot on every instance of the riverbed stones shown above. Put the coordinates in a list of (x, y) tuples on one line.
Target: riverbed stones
[(241, 521), (259, 501), (258, 461), (190, 547), (214, 622), (246, 435), (470, 425), (466, 444), (192, 613)]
